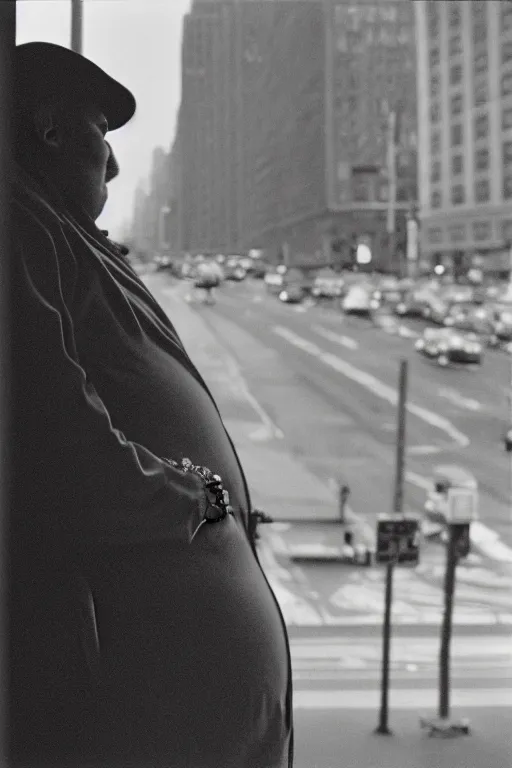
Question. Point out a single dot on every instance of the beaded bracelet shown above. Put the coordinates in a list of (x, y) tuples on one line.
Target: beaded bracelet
[(213, 485)]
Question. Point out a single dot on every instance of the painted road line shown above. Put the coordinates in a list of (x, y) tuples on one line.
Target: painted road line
[(407, 333), (423, 450), (372, 384), (457, 399), (401, 698), (419, 481), (344, 341)]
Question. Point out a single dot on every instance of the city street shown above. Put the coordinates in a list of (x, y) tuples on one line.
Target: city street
[(327, 382), (322, 389)]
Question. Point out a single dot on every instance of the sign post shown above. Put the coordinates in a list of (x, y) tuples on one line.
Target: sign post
[(397, 544), (462, 509)]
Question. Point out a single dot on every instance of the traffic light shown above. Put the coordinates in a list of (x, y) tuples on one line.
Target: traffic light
[(462, 540)]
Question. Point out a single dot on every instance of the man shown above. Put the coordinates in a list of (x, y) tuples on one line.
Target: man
[(208, 277), (140, 633)]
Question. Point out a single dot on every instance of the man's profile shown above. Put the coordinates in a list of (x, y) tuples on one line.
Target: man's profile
[(138, 634)]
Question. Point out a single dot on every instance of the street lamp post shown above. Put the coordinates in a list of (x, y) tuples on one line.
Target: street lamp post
[(76, 25)]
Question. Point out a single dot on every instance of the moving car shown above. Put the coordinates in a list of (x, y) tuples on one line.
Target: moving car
[(292, 294), (327, 284), (470, 317), (447, 345), (358, 300), (233, 270), (410, 304), (386, 293), (502, 326), (274, 282)]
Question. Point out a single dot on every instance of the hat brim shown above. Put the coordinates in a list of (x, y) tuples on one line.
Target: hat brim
[(44, 68)]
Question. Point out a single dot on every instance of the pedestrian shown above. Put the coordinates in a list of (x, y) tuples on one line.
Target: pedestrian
[(141, 633)]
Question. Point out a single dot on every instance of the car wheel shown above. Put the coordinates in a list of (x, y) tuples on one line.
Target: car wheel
[(443, 360)]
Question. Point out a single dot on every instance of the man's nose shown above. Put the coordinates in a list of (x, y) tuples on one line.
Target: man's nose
[(112, 165)]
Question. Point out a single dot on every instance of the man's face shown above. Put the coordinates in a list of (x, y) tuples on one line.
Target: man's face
[(84, 159)]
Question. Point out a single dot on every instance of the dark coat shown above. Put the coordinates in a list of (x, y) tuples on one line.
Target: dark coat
[(144, 645)]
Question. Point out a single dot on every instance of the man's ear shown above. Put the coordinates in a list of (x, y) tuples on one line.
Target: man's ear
[(46, 127)]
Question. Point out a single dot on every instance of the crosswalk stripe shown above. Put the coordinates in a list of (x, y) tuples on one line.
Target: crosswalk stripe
[(401, 698)]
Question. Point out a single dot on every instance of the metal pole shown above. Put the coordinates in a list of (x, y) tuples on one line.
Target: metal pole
[(444, 661), (76, 25), (391, 162), (7, 46), (400, 442), (383, 727)]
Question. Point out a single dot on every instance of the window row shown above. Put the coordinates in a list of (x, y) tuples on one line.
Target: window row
[(482, 192), (481, 129)]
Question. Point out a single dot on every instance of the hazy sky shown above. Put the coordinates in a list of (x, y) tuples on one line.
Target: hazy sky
[(138, 42)]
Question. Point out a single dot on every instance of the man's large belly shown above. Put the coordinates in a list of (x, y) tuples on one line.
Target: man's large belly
[(193, 645), (194, 657)]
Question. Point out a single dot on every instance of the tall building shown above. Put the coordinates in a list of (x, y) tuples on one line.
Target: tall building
[(284, 115), (465, 132)]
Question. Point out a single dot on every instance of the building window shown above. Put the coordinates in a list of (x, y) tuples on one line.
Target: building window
[(434, 57), (506, 84), (482, 191), (455, 74), (507, 186), (435, 143), (454, 14), (506, 119), (435, 173), (456, 135), (435, 235), (481, 126), (457, 164), (435, 199), (481, 230), (435, 112), (480, 32), (457, 233), (507, 154), (482, 159), (456, 104), (458, 196), (506, 230), (435, 83), (506, 16), (481, 63), (455, 45), (433, 18), (506, 52), (481, 93)]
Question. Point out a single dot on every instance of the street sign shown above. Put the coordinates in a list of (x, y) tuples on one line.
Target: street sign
[(397, 541), (462, 505)]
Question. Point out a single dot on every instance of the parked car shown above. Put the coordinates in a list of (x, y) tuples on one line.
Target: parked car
[(292, 294), (447, 345), (357, 300)]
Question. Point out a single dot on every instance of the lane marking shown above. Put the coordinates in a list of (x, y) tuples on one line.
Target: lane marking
[(344, 341), (401, 698), (457, 399), (372, 384), (423, 450)]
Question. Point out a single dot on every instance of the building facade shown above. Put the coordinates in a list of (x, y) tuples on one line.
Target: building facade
[(284, 118), (465, 132)]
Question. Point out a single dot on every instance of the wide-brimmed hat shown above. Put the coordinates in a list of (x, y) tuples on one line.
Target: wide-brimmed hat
[(47, 69)]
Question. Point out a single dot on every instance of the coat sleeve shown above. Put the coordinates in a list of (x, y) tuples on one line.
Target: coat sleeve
[(77, 480)]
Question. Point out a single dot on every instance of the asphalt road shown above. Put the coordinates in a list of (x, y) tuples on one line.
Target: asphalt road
[(329, 383)]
